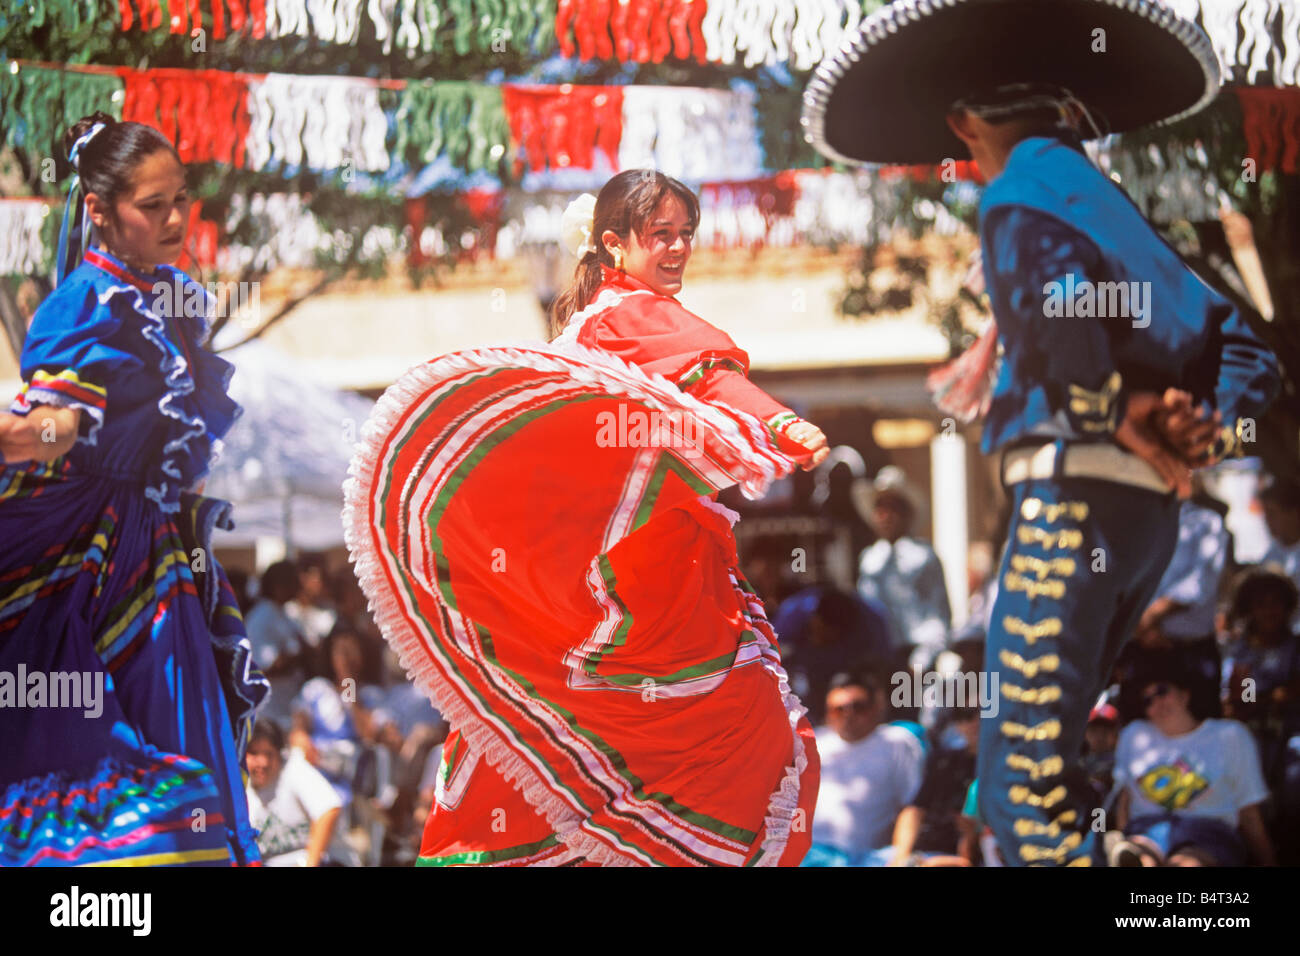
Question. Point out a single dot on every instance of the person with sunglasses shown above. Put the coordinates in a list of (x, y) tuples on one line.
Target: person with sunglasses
[(1189, 790), (871, 769)]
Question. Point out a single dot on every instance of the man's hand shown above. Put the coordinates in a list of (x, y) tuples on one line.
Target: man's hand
[(1186, 429), (811, 438), (1142, 433)]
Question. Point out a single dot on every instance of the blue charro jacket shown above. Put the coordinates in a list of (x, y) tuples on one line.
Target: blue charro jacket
[(1093, 304)]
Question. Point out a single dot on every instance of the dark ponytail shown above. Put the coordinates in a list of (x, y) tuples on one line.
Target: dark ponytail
[(624, 204), (105, 154), (107, 162)]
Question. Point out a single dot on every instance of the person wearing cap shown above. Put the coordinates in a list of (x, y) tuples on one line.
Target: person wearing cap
[(1100, 737), (903, 573), (1121, 370)]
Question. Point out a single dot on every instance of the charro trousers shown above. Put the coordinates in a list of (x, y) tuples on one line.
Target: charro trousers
[(1083, 560)]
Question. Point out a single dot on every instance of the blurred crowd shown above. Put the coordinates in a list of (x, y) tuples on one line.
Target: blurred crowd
[(343, 759), (1192, 753)]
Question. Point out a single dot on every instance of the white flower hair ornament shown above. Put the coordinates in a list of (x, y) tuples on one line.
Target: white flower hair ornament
[(576, 225)]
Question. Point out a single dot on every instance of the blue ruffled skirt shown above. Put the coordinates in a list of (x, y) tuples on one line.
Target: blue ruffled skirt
[(126, 687)]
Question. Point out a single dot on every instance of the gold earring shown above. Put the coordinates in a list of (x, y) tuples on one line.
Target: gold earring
[(618, 259)]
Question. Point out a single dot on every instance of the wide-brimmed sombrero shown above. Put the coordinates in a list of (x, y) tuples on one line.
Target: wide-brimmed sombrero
[(883, 96)]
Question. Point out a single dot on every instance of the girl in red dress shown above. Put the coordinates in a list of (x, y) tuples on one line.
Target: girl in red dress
[(537, 531)]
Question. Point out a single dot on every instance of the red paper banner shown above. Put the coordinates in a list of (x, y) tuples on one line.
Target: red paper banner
[(201, 237), (640, 31), (561, 127), (204, 113), (1271, 122)]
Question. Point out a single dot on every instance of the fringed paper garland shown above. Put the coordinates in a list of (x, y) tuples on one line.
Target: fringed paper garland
[(562, 127), (203, 112), (1256, 41), (801, 32), (413, 26), (62, 17), (464, 122), (341, 124), (1171, 183), (37, 106), (317, 122), (426, 239), (278, 230), (25, 250), (1271, 123), (748, 213), (202, 237), (693, 134), (1173, 177), (274, 230)]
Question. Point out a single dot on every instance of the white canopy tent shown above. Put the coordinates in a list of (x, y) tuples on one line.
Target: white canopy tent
[(284, 462)]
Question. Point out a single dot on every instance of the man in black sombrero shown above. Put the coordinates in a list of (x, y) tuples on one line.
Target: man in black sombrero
[(1121, 370)]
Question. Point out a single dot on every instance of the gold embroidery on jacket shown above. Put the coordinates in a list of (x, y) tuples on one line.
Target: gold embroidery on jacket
[(1048, 627), (1048, 662)]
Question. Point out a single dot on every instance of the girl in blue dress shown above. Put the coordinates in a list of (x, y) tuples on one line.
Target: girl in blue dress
[(126, 690)]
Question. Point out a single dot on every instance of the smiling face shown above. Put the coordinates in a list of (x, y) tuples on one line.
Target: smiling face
[(658, 256), (264, 763), (146, 225)]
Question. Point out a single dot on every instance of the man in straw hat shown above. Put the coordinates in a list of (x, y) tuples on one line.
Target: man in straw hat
[(902, 572), (1121, 370)]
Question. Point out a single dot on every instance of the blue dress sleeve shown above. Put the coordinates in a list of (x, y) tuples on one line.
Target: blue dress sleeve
[(72, 354)]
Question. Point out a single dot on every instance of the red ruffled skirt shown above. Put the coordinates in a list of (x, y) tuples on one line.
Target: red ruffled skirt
[(535, 532)]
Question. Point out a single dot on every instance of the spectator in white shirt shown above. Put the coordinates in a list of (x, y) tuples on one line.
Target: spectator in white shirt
[(870, 771), (292, 805), (1190, 790), (903, 573)]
